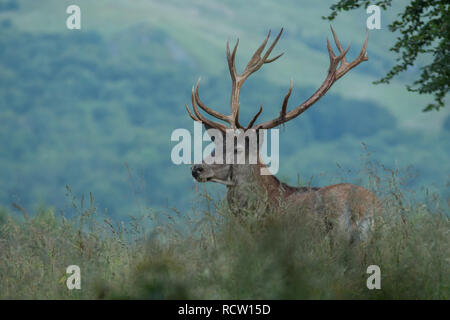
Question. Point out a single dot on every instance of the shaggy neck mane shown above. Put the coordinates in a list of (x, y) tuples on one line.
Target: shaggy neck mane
[(269, 184)]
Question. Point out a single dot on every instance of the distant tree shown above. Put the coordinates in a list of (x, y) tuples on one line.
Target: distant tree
[(424, 26)]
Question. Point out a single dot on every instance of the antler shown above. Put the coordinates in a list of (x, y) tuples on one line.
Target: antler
[(338, 67), (253, 65), (199, 116)]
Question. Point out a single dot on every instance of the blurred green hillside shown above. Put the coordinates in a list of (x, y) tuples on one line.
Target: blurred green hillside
[(94, 108)]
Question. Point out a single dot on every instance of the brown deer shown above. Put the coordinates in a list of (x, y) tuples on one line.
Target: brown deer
[(348, 206)]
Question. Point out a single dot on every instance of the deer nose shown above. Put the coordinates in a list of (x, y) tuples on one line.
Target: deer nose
[(196, 169)]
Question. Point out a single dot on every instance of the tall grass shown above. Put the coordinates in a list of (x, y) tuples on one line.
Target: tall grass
[(211, 254)]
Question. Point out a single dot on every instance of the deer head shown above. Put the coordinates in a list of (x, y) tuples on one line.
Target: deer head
[(232, 174)]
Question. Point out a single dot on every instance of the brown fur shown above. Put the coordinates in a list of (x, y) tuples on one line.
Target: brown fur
[(344, 206)]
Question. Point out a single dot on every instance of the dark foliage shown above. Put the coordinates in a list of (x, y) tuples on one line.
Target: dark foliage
[(423, 28)]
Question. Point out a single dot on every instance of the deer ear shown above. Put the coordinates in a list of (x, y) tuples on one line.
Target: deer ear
[(210, 133), (216, 135)]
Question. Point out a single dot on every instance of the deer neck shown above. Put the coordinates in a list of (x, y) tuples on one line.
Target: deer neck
[(250, 189)]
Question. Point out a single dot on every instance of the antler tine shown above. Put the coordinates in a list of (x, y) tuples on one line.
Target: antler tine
[(338, 44), (274, 58), (286, 100), (283, 108), (207, 109), (364, 47), (363, 56), (231, 60), (334, 73), (330, 52), (269, 51), (202, 118), (190, 113), (256, 61), (236, 120), (334, 60), (193, 104), (257, 55), (252, 122)]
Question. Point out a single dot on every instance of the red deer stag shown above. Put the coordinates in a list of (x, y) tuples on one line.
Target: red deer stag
[(350, 207)]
